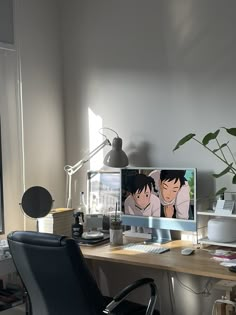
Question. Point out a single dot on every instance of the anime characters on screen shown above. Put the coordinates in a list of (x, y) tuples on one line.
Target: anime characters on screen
[(141, 199), (174, 193)]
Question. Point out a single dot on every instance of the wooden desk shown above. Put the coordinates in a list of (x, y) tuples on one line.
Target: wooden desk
[(199, 263)]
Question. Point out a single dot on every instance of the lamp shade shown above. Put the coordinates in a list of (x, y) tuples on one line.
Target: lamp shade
[(116, 157)]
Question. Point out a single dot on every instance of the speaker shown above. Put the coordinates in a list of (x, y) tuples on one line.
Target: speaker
[(222, 230)]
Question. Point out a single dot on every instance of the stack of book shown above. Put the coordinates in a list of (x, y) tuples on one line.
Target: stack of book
[(58, 221)]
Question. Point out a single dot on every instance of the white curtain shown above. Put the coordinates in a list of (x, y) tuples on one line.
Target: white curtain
[(10, 113)]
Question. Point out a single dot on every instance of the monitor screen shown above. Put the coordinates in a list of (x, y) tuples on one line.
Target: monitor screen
[(162, 199)]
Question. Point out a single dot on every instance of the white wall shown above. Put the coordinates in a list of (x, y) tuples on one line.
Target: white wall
[(154, 71)]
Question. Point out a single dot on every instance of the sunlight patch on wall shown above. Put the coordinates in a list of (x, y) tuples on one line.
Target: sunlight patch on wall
[(95, 138)]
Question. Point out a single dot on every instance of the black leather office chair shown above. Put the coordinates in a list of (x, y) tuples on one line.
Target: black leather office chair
[(58, 281)]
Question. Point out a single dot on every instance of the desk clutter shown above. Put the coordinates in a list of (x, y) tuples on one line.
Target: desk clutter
[(4, 250), (226, 257), (11, 291), (92, 241), (93, 233)]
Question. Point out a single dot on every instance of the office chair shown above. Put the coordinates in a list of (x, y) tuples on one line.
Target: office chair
[(58, 281)]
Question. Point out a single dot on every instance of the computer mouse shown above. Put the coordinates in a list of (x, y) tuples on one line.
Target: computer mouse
[(187, 251)]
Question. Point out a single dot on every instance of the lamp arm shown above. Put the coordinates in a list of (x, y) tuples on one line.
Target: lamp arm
[(71, 170)]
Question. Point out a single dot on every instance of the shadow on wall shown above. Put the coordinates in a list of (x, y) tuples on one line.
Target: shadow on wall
[(206, 189), (139, 155), (206, 185)]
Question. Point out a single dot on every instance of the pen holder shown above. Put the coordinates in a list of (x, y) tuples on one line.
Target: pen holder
[(116, 233)]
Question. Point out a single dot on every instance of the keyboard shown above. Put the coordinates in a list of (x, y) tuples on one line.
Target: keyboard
[(145, 248)]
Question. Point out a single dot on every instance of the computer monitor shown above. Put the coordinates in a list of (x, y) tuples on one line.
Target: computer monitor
[(161, 199)]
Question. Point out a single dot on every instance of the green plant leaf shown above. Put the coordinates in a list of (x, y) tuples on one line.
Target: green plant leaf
[(210, 136), (221, 191), (225, 171), (234, 179), (184, 140), (231, 131), (221, 147)]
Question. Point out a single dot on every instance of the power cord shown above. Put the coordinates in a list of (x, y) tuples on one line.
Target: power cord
[(205, 292)]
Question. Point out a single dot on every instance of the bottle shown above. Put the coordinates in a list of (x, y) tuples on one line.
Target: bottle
[(82, 208), (77, 227), (82, 204)]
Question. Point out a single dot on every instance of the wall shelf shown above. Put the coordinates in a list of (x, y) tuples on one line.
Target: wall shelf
[(212, 213), (206, 241)]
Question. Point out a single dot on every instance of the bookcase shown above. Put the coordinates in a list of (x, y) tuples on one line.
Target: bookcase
[(208, 214)]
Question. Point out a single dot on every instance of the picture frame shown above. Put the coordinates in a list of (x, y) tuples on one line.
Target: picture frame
[(103, 191)]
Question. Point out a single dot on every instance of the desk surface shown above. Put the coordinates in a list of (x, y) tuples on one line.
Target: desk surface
[(199, 263)]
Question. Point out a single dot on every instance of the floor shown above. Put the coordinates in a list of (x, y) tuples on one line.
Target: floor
[(18, 310)]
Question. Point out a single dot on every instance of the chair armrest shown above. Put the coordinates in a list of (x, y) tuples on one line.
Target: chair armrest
[(117, 299)]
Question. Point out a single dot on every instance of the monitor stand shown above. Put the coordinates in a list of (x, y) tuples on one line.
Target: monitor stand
[(134, 233), (160, 236)]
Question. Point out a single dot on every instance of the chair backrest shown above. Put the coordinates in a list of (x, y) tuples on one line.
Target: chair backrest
[(55, 275)]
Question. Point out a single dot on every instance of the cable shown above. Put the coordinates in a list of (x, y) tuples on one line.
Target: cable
[(213, 308), (158, 298), (205, 292)]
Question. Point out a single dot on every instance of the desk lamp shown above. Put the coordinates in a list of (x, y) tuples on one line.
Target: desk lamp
[(116, 157)]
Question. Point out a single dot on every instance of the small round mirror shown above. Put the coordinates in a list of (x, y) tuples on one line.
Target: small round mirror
[(36, 202)]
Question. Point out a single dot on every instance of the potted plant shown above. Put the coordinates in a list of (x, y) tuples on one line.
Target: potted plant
[(220, 150)]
